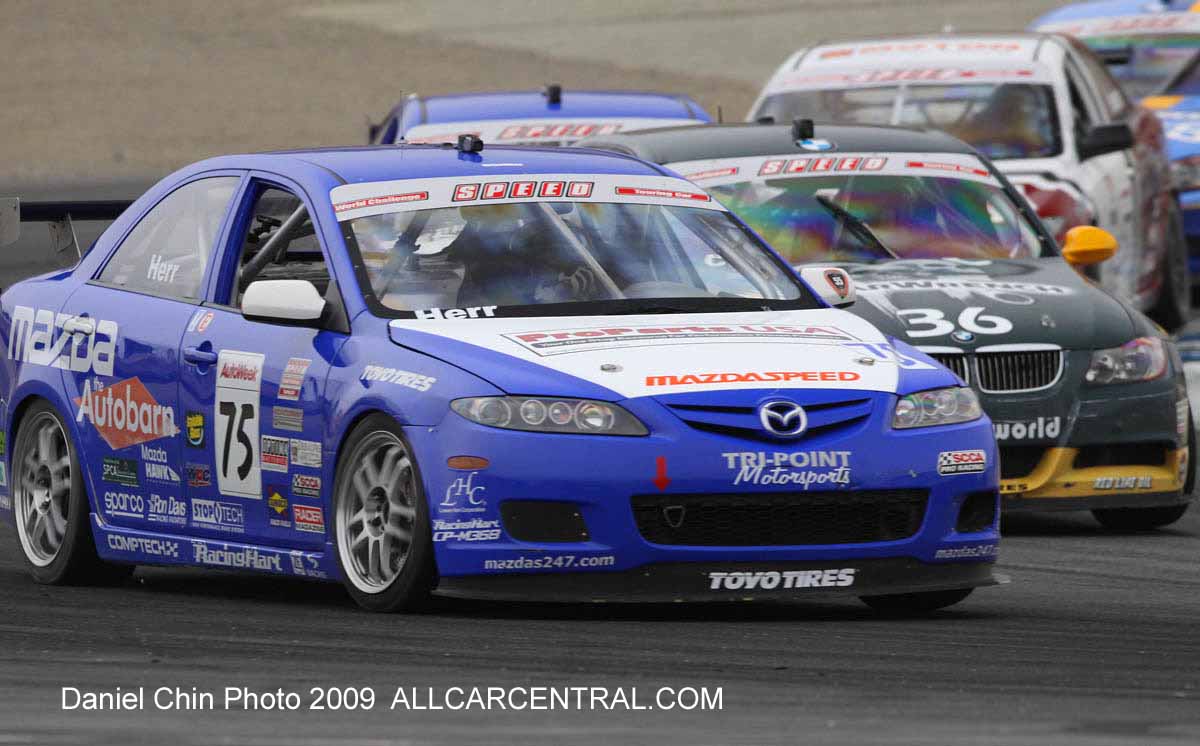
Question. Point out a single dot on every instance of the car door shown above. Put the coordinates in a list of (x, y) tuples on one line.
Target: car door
[(126, 324), (252, 391)]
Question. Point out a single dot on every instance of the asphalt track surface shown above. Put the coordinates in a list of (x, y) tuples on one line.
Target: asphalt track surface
[(1095, 641)]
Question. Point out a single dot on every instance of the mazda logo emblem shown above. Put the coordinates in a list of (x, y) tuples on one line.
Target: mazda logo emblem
[(783, 419)]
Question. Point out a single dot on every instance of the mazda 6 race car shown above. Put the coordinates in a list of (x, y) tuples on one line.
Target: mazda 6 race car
[(505, 373), (547, 117), (1086, 394), (1044, 109)]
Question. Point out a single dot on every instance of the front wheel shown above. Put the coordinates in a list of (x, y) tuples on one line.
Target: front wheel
[(50, 504), (1139, 519), (907, 604), (381, 520)]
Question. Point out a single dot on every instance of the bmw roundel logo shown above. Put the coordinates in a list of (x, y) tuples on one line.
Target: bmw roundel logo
[(816, 143), (782, 418), (962, 336)]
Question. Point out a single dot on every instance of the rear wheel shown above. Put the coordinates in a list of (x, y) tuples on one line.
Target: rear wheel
[(381, 520), (50, 504), (1139, 519), (915, 603)]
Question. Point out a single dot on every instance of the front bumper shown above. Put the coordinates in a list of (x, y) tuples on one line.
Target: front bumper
[(745, 581)]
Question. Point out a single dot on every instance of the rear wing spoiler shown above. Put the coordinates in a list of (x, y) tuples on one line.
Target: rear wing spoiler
[(59, 216)]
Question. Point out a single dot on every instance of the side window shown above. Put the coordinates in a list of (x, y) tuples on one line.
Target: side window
[(1111, 96), (167, 251), (280, 244), (1081, 102)]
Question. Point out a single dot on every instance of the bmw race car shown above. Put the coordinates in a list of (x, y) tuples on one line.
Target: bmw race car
[(547, 117), (1086, 394), (1044, 109), (500, 373), (1153, 54)]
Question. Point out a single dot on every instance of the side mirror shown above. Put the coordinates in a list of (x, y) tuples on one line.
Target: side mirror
[(286, 301), (1085, 245), (832, 284), (1105, 138)]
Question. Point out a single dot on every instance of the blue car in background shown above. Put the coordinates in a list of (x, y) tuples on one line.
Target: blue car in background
[(499, 373), (547, 117), (1151, 49)]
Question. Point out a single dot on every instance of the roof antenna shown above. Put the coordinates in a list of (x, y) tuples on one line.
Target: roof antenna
[(802, 129), (469, 144), (553, 94)]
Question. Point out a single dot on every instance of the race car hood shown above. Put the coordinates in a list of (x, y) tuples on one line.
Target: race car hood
[(971, 304), (617, 357)]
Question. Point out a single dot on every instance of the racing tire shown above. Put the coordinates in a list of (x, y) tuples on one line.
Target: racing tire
[(1127, 520), (912, 604), (1173, 305), (50, 505), (381, 520)]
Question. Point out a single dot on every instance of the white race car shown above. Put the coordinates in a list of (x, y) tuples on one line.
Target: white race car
[(1044, 108)]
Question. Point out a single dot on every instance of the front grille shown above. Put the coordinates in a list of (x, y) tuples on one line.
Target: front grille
[(956, 362), (1018, 371), (735, 413), (1123, 454), (1019, 461), (780, 519)]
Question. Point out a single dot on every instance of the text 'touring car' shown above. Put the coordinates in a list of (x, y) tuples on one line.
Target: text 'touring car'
[(504, 373), (1086, 394)]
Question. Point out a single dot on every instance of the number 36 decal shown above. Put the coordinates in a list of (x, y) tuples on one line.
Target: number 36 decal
[(930, 322)]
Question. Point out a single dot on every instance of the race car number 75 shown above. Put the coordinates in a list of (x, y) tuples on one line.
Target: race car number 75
[(236, 417)]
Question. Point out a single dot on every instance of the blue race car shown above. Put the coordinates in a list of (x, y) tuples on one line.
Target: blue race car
[(501, 373), (546, 117), (1153, 51)]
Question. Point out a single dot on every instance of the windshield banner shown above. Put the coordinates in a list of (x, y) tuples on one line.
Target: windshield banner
[(956, 74), (1145, 24), (535, 132), (378, 197), (723, 171)]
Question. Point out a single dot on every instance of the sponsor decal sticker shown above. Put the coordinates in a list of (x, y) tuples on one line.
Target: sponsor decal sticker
[(384, 200), (277, 508), (306, 485), (122, 471), (235, 423), (466, 529), (198, 475), (774, 376), (218, 516), (125, 413), (306, 565), (562, 341), (36, 337), (124, 504), (472, 312), (287, 418), (143, 545), (194, 422), (802, 469), (205, 320), (464, 496), (169, 510), (839, 281), (961, 462), (293, 378), (309, 518), (274, 453), (243, 558), (155, 462), (787, 579), (974, 551), (1042, 428), (399, 377), (550, 562), (1123, 483), (306, 453)]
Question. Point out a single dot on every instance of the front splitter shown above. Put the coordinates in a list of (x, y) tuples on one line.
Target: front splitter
[(727, 581)]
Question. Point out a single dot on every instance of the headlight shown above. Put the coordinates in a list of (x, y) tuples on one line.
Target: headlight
[(1142, 359), (548, 415), (937, 407), (1185, 174)]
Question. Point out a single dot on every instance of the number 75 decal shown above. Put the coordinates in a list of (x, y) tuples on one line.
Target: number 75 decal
[(930, 322)]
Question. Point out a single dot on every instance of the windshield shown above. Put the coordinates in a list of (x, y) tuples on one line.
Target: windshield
[(1188, 83), (1005, 120), (885, 207), (550, 257)]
